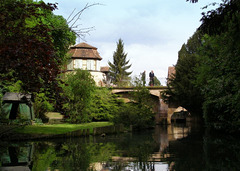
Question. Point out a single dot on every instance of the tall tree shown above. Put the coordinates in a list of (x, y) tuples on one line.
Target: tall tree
[(156, 81), (119, 67), (79, 90), (218, 74), (181, 88), (33, 42), (209, 69)]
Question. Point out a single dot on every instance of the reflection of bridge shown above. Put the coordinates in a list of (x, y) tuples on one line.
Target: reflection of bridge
[(163, 110)]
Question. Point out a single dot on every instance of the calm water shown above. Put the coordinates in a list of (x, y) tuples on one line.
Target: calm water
[(165, 148)]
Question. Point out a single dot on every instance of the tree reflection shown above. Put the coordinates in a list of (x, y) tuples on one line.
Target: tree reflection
[(16, 156), (205, 151), (221, 152), (166, 148), (44, 156), (72, 155)]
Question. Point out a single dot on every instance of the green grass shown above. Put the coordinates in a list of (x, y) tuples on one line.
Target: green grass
[(60, 128)]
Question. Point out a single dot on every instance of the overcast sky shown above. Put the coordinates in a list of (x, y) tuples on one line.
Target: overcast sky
[(153, 31)]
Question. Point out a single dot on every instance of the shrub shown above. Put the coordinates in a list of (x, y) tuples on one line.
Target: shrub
[(103, 105), (42, 105), (139, 116), (139, 112), (79, 91)]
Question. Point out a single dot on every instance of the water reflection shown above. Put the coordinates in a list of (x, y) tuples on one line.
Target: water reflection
[(181, 147), (16, 156)]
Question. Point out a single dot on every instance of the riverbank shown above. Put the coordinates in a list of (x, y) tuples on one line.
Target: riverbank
[(30, 132)]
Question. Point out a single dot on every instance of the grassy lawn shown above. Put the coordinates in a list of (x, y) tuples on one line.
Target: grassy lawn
[(60, 128)]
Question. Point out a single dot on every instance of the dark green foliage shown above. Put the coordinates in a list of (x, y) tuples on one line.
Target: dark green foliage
[(119, 67), (33, 43), (62, 36), (207, 71), (141, 94), (103, 105), (143, 78), (22, 45), (218, 74), (139, 112), (71, 155), (156, 82), (140, 117), (89, 103), (43, 156), (181, 88), (212, 21), (79, 90), (42, 104)]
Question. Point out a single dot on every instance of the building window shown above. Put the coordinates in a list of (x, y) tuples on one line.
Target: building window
[(84, 64), (78, 64), (98, 66), (95, 64), (90, 64)]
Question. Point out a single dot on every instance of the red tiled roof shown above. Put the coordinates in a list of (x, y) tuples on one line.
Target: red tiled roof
[(84, 45), (84, 51)]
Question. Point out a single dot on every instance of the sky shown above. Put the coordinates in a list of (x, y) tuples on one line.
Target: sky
[(153, 31)]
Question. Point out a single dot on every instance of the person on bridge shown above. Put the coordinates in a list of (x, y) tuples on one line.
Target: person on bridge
[(151, 75)]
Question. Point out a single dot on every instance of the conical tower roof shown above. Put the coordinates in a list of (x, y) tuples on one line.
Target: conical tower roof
[(84, 51), (84, 45)]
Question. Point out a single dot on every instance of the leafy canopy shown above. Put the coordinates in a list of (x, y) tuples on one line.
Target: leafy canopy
[(33, 43), (137, 113), (218, 73), (207, 71)]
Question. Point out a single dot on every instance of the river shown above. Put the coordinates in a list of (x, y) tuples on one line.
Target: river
[(173, 147)]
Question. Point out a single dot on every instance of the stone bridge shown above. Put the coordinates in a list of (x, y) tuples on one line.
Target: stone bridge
[(163, 110)]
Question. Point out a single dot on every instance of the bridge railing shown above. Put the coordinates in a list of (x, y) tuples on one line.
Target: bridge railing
[(148, 87)]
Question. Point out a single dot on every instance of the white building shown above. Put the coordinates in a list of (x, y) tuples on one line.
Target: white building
[(86, 57)]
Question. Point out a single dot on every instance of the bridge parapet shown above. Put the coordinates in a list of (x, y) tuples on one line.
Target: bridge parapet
[(154, 90)]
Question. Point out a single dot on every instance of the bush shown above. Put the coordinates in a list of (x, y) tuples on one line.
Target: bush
[(103, 105), (139, 112), (42, 105), (79, 91), (139, 116)]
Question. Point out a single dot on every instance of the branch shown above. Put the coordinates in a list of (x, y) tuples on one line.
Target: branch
[(193, 1), (82, 32), (73, 18)]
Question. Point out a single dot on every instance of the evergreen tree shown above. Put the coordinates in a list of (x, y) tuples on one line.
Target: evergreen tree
[(156, 81), (119, 67), (181, 88)]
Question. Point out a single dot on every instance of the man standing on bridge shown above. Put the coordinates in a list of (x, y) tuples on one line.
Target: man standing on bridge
[(151, 75)]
